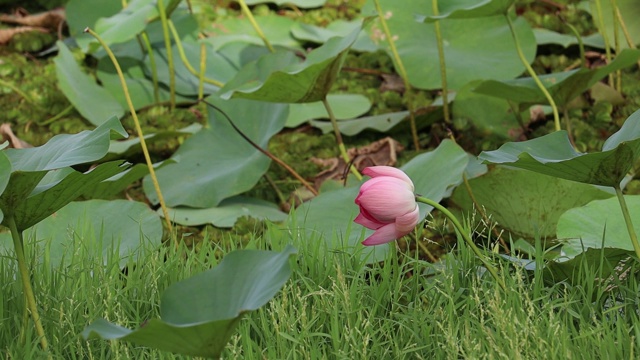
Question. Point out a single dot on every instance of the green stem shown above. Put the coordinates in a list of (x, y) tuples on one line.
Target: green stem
[(57, 117), (574, 31), (203, 68), (465, 235), (443, 65), (186, 62), (627, 221), (154, 69), (18, 91), (167, 45), (143, 143), (402, 72), (336, 131), (26, 282), (256, 27), (603, 32), (532, 73)]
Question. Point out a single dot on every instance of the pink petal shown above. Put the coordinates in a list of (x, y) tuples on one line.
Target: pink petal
[(377, 171), (383, 235), (368, 223), (407, 222), (385, 198)]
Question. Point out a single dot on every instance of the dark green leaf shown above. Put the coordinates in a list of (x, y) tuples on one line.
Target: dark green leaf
[(466, 9), (280, 78), (201, 323), (217, 163), (554, 155), (563, 87), (93, 102)]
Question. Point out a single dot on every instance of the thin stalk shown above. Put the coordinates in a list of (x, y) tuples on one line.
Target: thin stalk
[(203, 68), (627, 221), (603, 32), (143, 143), (532, 73), (567, 122), (30, 297), (465, 235), (18, 91), (57, 117), (443, 65), (167, 45), (256, 27), (402, 72), (625, 31), (184, 59), (336, 131), (616, 43), (154, 69), (574, 31)]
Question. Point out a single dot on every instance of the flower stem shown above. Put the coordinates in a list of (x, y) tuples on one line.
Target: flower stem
[(167, 45), (605, 37), (256, 27), (627, 220), (336, 131), (30, 298), (532, 73), (465, 235), (443, 65), (402, 72), (152, 64), (143, 143), (186, 62)]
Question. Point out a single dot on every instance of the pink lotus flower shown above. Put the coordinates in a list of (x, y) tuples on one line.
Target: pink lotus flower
[(387, 205)]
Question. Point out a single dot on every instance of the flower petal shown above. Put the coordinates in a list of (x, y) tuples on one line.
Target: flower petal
[(365, 221), (383, 235), (407, 222), (377, 171), (385, 198)]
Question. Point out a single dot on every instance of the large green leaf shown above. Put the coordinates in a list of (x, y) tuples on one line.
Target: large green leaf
[(330, 215), (488, 114), (227, 212), (344, 106), (29, 201), (474, 49), (34, 191), (280, 77), (123, 26), (67, 150), (554, 155), (563, 87), (524, 203), (583, 228), (217, 163), (201, 323), (93, 102), (96, 226), (466, 9)]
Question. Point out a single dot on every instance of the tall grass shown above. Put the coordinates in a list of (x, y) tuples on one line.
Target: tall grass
[(336, 307)]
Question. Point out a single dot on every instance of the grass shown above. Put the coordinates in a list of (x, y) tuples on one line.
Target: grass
[(336, 307)]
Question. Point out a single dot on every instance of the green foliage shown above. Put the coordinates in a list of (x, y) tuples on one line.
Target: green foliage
[(201, 323), (554, 155)]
